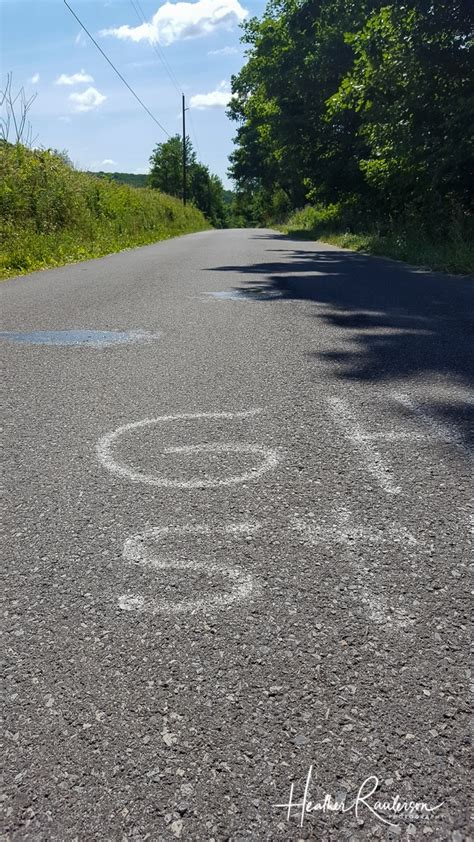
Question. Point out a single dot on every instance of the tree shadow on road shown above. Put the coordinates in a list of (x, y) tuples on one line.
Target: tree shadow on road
[(402, 322)]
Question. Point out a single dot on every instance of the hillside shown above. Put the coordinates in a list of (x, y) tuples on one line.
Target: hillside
[(132, 179), (52, 214)]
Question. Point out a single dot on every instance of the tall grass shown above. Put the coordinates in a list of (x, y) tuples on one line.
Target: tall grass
[(449, 249), (51, 214)]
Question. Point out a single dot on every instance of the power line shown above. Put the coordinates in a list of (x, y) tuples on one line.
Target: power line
[(117, 71), (141, 17), (159, 52)]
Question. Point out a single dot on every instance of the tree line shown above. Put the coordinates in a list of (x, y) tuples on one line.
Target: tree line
[(365, 106), (204, 189)]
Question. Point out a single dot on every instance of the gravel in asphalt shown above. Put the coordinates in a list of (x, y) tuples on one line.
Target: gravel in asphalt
[(236, 551)]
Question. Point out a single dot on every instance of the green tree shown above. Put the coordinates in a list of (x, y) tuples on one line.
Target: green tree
[(204, 190), (411, 85), (63, 155), (298, 56), (166, 162), (365, 104), (219, 206)]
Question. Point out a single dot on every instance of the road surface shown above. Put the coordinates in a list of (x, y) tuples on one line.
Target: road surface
[(237, 542)]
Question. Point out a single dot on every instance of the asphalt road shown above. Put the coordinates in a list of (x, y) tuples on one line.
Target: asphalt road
[(267, 575)]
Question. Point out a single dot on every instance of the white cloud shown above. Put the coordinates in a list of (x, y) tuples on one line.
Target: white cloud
[(174, 21), (64, 119), (219, 98), (98, 165), (34, 79), (225, 51), (80, 39), (75, 79), (88, 100)]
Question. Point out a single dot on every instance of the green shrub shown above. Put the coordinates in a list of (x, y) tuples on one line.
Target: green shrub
[(450, 249), (51, 214)]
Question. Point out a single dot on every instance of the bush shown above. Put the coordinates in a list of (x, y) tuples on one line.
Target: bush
[(52, 214), (450, 248)]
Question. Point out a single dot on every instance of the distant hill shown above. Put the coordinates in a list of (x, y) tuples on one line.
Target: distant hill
[(130, 178)]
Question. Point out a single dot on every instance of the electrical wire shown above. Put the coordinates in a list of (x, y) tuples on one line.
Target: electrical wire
[(141, 17), (117, 71), (159, 52)]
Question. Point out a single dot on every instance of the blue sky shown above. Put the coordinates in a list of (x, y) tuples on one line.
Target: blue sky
[(81, 104)]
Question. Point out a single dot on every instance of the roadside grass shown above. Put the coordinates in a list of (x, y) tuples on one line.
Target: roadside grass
[(51, 214), (452, 251)]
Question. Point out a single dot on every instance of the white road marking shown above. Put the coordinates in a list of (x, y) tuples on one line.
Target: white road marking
[(442, 430), (269, 456), (242, 583), (343, 531), (352, 430)]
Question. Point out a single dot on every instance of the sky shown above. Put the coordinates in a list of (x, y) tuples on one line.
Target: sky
[(83, 107)]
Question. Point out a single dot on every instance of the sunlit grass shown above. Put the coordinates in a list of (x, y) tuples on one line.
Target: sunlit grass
[(452, 251)]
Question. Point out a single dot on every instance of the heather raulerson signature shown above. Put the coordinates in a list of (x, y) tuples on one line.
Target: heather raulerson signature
[(383, 810)]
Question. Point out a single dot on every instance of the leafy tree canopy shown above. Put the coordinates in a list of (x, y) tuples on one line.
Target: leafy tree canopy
[(366, 102), (204, 190)]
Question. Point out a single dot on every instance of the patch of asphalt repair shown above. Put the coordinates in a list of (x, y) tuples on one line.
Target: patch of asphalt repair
[(91, 338), (193, 658)]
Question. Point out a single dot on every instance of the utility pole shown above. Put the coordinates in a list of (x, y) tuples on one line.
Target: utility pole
[(184, 150)]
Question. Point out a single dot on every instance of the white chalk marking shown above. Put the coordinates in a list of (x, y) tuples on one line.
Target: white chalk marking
[(131, 603), (394, 435), (381, 613), (242, 583), (352, 430), (244, 528), (442, 430), (343, 531), (269, 456)]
